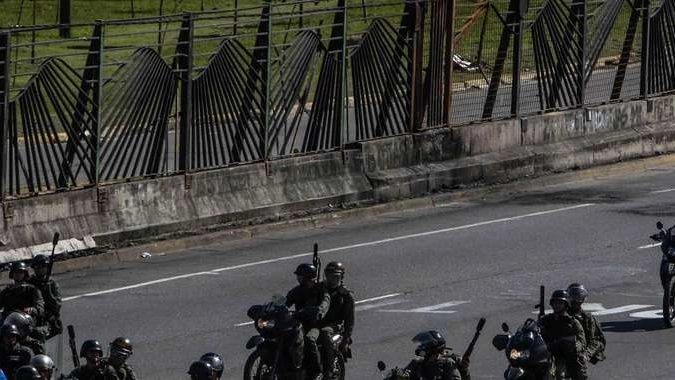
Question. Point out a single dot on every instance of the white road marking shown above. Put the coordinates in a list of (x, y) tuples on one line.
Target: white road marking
[(378, 298), (662, 191), (621, 309), (434, 309), (336, 249), (244, 324), (649, 246), (649, 314), (379, 304)]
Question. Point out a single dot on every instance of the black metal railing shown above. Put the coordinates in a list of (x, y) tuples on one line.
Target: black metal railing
[(125, 99)]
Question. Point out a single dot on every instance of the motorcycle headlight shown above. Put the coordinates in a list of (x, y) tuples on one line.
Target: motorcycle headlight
[(519, 355), (265, 323)]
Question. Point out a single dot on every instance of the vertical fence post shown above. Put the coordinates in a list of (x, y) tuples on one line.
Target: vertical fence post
[(267, 78), (185, 61), (517, 56), (343, 100), (449, 52), (644, 51), (98, 97), (416, 96), (4, 108), (581, 17)]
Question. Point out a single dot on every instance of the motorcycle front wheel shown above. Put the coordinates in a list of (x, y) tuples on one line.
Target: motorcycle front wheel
[(256, 369), (669, 302), (339, 367)]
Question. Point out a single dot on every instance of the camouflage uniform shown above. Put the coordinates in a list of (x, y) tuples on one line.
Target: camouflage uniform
[(566, 341), (301, 297), (51, 293), (446, 367), (20, 297), (595, 339), (340, 313), (124, 372), (103, 372)]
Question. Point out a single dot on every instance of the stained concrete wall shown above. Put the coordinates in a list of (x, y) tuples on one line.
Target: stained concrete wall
[(376, 170)]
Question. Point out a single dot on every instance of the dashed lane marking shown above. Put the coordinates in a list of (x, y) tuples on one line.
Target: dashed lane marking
[(336, 249)]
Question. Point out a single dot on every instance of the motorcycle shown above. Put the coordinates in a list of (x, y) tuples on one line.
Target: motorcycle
[(280, 333), (527, 353), (667, 272)]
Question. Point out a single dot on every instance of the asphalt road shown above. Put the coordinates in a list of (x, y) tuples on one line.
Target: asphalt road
[(440, 268)]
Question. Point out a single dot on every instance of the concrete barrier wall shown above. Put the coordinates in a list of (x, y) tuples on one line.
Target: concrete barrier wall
[(184, 202), (377, 170)]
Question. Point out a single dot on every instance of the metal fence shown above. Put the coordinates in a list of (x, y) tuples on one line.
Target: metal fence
[(126, 99)]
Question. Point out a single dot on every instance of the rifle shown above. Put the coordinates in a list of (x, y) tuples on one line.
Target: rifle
[(541, 306), (316, 261), (55, 241), (73, 348), (469, 350)]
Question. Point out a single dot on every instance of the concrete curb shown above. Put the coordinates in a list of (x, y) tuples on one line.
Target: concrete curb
[(132, 253)]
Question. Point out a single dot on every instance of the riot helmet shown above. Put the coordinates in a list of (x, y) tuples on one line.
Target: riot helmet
[(22, 321), (39, 260), (577, 293), (306, 271), (428, 342), (200, 370), (16, 267), (90, 345), (27, 372), (122, 346), (215, 361), (44, 364), (8, 329)]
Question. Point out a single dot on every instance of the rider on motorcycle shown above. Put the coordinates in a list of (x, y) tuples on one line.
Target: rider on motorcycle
[(595, 339), (564, 336), (437, 362), (340, 314), (309, 293)]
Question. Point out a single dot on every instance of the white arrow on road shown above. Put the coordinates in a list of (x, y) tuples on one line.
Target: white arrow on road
[(434, 309)]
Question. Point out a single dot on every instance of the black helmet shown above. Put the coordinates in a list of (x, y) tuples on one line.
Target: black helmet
[(215, 361), (306, 270), (18, 266), (90, 345), (122, 346), (27, 372), (22, 321), (428, 341), (200, 370), (577, 292), (9, 329), (335, 267), (39, 260), (560, 295)]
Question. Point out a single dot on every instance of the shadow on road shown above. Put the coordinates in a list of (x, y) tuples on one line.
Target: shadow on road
[(646, 324)]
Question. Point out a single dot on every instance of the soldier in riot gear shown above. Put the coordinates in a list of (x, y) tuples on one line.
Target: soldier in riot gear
[(200, 370), (595, 339), (51, 293), (120, 350), (437, 361), (21, 295), (44, 365), (309, 294), (340, 315), (30, 336), (94, 368), (216, 362), (27, 372), (564, 336), (12, 354)]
